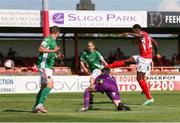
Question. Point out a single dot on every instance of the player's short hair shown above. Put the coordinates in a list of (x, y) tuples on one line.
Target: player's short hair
[(105, 71), (136, 26), (54, 29)]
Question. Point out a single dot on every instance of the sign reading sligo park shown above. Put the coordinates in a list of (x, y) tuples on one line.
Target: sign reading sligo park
[(163, 19), (107, 19)]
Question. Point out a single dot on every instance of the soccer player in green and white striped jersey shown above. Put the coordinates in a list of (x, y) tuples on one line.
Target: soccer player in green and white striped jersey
[(48, 52)]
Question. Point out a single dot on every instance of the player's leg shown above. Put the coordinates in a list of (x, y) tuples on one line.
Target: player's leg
[(86, 100), (46, 86), (38, 107), (46, 91), (113, 94), (94, 74), (43, 85), (143, 67), (87, 96), (91, 101), (115, 97), (145, 78), (34, 109), (95, 88), (120, 63), (143, 85)]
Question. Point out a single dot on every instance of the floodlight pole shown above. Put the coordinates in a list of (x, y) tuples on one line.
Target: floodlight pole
[(45, 18)]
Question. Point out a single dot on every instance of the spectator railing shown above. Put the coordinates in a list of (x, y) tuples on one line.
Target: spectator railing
[(68, 71), (154, 70), (28, 71)]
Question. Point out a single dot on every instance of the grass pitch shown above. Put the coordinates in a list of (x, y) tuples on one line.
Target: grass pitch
[(63, 106)]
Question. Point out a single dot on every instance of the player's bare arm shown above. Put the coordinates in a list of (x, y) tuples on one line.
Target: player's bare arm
[(155, 44), (104, 62), (45, 50), (134, 34), (86, 70)]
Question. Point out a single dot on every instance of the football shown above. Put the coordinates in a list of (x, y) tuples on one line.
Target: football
[(9, 64)]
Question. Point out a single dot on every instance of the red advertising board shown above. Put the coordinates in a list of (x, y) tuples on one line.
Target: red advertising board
[(156, 82)]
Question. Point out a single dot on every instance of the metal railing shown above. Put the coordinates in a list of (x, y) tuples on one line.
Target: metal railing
[(68, 71)]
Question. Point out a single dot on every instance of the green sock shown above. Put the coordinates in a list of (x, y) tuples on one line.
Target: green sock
[(44, 95), (38, 97)]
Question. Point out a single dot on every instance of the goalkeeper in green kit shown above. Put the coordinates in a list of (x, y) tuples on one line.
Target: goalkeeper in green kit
[(48, 52), (91, 60)]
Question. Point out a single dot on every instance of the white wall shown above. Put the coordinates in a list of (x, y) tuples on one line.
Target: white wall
[(30, 47)]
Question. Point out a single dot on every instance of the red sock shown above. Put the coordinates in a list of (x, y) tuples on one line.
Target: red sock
[(116, 64), (145, 88)]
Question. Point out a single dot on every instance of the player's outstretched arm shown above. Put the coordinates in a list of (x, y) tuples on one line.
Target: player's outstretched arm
[(135, 35)]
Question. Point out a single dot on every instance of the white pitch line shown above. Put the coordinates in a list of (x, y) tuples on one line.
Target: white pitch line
[(73, 99), (153, 107)]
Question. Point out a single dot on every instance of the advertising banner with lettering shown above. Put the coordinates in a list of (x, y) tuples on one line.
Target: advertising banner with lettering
[(107, 19), (91, 19), (20, 18), (156, 82), (30, 84), (7, 84), (163, 19)]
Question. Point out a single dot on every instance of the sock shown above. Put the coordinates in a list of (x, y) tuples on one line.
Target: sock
[(38, 97), (109, 96), (116, 64), (145, 89), (91, 98), (86, 98), (44, 94)]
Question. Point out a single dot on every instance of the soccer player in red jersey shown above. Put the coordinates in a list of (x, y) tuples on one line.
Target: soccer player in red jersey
[(143, 60)]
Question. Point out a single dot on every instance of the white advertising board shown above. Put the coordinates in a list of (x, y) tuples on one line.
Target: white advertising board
[(30, 84), (20, 18), (79, 19), (104, 19)]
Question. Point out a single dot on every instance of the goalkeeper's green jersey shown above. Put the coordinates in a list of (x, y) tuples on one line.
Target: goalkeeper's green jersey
[(46, 60), (92, 58)]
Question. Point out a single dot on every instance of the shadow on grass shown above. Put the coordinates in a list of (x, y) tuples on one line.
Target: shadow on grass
[(97, 103), (102, 102), (138, 104), (17, 110)]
